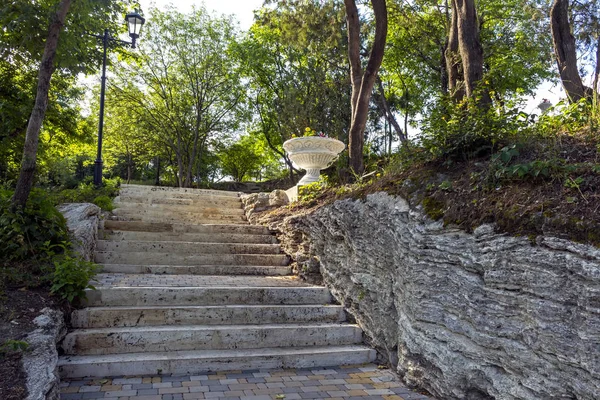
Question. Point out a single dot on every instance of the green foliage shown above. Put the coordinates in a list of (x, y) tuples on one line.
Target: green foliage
[(309, 193), (87, 192), (24, 232), (72, 275), (463, 131), (104, 202), (12, 346)]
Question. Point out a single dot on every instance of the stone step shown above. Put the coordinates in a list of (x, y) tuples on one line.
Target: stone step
[(172, 208), (196, 362), (114, 340), (156, 258), (167, 216), (176, 220), (206, 296), (139, 226), (168, 189), (173, 189), (197, 269), (186, 248), (217, 202), (186, 237), (102, 317)]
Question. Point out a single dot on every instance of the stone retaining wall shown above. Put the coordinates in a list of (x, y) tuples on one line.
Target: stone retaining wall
[(465, 316)]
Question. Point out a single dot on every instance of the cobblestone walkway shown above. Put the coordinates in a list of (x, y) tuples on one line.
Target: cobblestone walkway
[(354, 382)]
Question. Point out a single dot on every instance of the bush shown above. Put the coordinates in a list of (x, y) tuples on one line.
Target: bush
[(104, 202), (23, 233), (72, 275), (464, 131)]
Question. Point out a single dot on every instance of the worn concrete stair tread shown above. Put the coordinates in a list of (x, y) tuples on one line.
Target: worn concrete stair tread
[(197, 361), (117, 340), (206, 296), (192, 248), (192, 208), (216, 202), (158, 189), (174, 214), (177, 220), (166, 258), (140, 226), (98, 317), (260, 270), (117, 236), (118, 280)]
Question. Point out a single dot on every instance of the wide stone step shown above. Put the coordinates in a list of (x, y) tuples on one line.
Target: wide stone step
[(195, 362), (187, 248), (102, 317), (167, 216), (171, 208), (186, 237), (216, 337), (139, 226), (216, 202), (169, 189), (176, 220), (197, 269), (206, 296), (156, 258)]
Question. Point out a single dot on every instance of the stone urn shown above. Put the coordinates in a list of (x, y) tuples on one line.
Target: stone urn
[(313, 153)]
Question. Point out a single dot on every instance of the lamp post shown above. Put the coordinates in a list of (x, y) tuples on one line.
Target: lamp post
[(134, 21)]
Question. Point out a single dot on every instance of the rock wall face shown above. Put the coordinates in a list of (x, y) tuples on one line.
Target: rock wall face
[(465, 316), (40, 362), (82, 221)]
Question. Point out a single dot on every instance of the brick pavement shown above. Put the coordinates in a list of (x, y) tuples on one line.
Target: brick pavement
[(352, 382)]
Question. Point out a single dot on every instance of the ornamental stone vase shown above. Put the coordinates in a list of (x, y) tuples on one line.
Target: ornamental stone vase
[(313, 153)]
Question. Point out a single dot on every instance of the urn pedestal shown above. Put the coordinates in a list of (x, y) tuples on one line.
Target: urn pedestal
[(313, 153)]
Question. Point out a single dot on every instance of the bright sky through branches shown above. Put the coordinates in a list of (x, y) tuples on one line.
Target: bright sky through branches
[(242, 9)]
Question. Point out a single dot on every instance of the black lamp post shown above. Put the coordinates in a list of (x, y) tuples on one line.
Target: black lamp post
[(134, 21)]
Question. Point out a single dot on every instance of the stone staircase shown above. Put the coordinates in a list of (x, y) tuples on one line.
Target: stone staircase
[(188, 286)]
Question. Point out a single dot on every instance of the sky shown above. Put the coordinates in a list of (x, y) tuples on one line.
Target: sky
[(242, 9)]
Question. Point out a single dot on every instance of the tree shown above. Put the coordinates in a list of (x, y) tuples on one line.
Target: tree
[(187, 88), (295, 61), (27, 36), (240, 159), (565, 46), (25, 182), (464, 15), (363, 82)]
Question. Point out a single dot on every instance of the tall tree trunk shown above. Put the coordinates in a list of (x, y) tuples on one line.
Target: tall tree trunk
[(597, 71), (471, 51), (565, 50), (452, 56), (38, 113), (362, 83)]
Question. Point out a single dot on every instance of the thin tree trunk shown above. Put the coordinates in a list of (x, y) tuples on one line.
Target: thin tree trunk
[(387, 112), (471, 51), (597, 71), (364, 87), (565, 50), (25, 182), (452, 56)]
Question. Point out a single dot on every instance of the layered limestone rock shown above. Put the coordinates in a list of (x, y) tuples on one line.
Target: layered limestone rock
[(465, 316), (40, 361), (82, 221)]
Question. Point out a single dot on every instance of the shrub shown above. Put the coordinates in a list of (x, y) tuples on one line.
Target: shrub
[(72, 275), (23, 233), (104, 202)]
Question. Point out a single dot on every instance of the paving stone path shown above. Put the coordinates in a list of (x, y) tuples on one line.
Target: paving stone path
[(347, 382), (188, 286)]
